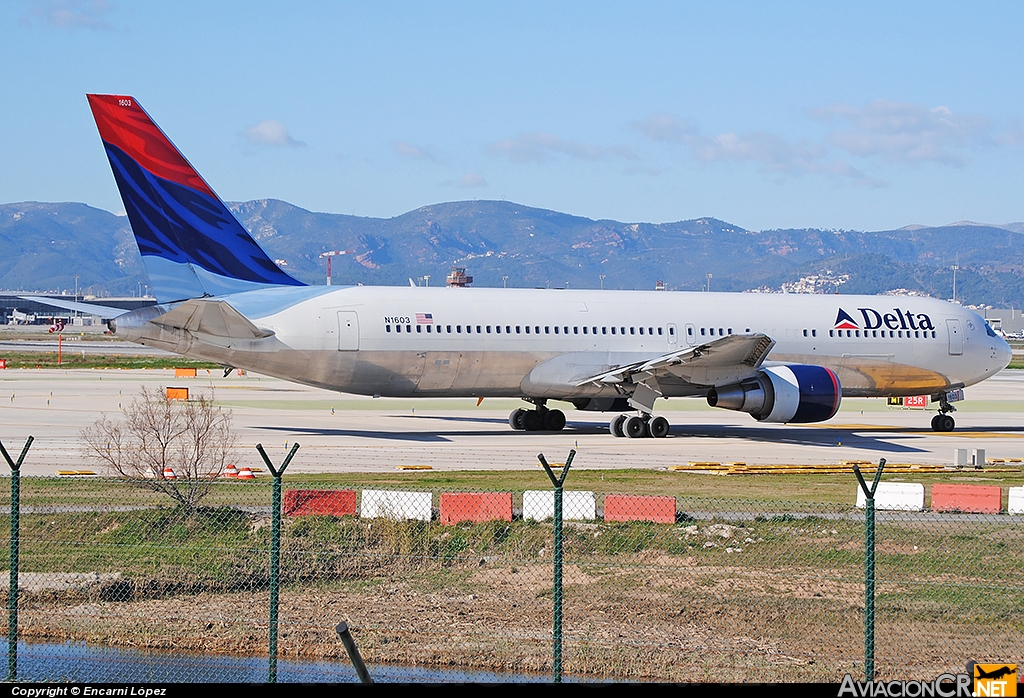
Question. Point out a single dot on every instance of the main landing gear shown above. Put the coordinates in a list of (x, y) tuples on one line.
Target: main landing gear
[(942, 421), (638, 426), (540, 419)]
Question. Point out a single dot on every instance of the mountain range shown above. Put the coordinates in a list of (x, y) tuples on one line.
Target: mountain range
[(44, 245)]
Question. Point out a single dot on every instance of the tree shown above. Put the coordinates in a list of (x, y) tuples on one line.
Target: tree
[(192, 437)]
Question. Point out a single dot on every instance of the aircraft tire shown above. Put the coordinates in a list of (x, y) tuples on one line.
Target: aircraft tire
[(515, 420), (635, 428), (615, 426), (935, 423), (658, 427), (532, 420), (946, 423), (554, 420)]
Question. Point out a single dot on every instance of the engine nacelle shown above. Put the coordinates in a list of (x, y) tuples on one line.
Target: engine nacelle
[(797, 393)]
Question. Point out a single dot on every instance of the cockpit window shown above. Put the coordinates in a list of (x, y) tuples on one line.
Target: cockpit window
[(989, 331)]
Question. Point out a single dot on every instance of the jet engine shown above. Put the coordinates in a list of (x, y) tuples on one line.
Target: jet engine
[(794, 393)]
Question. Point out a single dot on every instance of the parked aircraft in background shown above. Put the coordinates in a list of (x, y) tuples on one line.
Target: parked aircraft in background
[(780, 358)]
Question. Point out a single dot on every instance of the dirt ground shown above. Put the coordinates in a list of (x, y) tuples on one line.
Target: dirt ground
[(665, 619)]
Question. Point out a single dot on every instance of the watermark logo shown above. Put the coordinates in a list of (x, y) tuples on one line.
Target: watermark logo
[(995, 680)]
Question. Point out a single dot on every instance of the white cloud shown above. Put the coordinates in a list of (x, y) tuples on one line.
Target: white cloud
[(271, 132), (538, 147), (73, 14), (905, 133), (772, 152), (413, 152), (472, 179), (666, 127)]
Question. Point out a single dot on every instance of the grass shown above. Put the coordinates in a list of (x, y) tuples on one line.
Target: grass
[(72, 359)]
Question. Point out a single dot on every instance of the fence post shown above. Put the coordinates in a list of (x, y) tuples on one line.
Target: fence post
[(556, 668), (869, 568), (275, 556), (12, 590)]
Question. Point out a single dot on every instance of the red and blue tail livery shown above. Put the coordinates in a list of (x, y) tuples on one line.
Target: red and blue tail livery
[(190, 242)]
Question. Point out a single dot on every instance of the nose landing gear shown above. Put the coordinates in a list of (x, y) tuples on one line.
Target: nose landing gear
[(942, 421)]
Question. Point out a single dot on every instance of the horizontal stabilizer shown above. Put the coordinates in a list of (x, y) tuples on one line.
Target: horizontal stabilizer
[(209, 317), (104, 311)]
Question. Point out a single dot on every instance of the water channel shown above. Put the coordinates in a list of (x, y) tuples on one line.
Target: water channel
[(76, 662)]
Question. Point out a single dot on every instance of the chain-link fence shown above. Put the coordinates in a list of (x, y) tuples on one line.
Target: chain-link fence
[(119, 584)]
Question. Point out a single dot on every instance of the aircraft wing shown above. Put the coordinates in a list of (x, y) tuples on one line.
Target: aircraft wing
[(104, 311), (726, 360), (213, 318)]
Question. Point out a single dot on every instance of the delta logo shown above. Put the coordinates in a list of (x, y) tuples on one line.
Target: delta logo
[(871, 319)]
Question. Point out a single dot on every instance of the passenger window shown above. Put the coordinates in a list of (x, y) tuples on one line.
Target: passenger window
[(631, 330), (660, 331), (387, 328), (419, 329), (536, 329), (814, 333), (604, 330), (517, 329), (527, 329), (488, 329), (428, 329), (565, 330), (613, 330), (702, 331)]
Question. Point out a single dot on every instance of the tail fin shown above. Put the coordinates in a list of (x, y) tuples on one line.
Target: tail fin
[(190, 242)]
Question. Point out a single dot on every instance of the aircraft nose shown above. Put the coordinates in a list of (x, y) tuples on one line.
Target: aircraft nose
[(1004, 353)]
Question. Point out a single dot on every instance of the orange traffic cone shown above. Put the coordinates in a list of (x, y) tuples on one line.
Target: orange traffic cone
[(230, 471), (245, 474), (169, 473)]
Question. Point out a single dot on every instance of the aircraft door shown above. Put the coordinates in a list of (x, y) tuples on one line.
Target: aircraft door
[(691, 334), (348, 330), (956, 337), (673, 336)]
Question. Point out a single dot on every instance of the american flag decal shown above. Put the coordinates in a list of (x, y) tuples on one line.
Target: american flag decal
[(424, 319)]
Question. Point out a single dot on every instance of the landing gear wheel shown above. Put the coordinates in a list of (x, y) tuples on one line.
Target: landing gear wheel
[(658, 427), (935, 422), (554, 420), (515, 420), (944, 423), (635, 428), (532, 421), (615, 426)]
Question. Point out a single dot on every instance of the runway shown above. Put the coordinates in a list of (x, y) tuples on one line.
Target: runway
[(347, 433)]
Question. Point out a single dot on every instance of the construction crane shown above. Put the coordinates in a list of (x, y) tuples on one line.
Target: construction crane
[(329, 255)]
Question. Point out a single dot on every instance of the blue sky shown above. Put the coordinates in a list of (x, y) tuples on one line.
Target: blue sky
[(838, 115)]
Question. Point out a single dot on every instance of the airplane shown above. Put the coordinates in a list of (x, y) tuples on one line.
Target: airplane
[(787, 358)]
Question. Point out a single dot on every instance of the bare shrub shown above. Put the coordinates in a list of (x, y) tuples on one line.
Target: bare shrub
[(192, 437)]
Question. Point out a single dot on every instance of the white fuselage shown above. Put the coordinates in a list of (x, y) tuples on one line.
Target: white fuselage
[(406, 341)]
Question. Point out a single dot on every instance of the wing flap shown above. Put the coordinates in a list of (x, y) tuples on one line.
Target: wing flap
[(727, 358)]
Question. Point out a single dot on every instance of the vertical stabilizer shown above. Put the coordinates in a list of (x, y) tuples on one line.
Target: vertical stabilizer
[(190, 242)]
